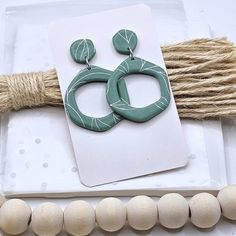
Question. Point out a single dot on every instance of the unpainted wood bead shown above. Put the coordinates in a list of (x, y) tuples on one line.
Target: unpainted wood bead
[(47, 219), (227, 199), (142, 213), (205, 210), (79, 218), (14, 216), (173, 211), (111, 214)]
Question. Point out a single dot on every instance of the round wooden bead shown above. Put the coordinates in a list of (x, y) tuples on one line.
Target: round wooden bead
[(142, 213), (173, 211), (47, 219), (227, 199), (205, 210), (111, 214), (79, 218), (14, 216)]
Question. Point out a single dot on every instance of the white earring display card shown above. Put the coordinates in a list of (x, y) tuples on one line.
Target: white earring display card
[(129, 149)]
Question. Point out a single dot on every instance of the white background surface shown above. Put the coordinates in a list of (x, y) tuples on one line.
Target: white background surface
[(220, 16), (28, 146)]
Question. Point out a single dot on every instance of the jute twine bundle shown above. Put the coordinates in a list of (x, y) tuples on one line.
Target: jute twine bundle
[(202, 73)]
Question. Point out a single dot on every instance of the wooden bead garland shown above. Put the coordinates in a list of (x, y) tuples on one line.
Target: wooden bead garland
[(47, 219), (79, 218), (227, 200), (111, 214), (142, 213), (173, 211), (205, 210), (14, 216)]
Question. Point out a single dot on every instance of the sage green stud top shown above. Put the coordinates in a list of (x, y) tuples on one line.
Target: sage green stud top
[(137, 65), (82, 50), (124, 41)]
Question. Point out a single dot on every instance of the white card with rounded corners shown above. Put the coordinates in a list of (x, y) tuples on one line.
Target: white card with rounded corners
[(129, 149)]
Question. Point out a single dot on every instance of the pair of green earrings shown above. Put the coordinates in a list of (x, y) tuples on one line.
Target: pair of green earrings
[(124, 41)]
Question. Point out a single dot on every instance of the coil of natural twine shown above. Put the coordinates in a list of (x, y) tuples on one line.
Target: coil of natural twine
[(202, 73)]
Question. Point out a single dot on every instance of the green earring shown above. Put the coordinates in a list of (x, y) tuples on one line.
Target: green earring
[(82, 51), (125, 42)]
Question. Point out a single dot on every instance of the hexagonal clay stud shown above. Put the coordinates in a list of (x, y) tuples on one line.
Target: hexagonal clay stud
[(125, 41), (82, 50)]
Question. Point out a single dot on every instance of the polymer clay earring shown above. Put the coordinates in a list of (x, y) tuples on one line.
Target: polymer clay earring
[(125, 42), (82, 51)]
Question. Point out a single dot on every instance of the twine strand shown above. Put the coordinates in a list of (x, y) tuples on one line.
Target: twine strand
[(202, 73)]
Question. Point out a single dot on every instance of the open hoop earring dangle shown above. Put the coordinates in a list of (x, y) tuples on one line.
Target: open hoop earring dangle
[(82, 51), (125, 42)]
